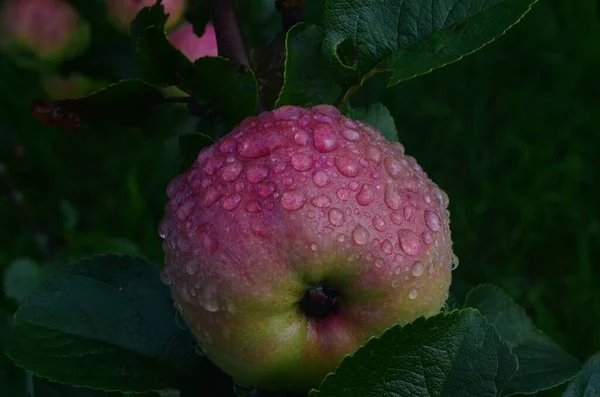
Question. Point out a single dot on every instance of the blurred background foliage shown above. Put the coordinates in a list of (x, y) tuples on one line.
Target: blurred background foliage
[(511, 133)]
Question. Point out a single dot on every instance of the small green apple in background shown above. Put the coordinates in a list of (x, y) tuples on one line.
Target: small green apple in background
[(75, 85), (123, 12), (42, 32), (185, 40), (297, 237)]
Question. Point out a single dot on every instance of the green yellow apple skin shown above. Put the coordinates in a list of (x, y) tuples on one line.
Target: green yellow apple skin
[(296, 238)]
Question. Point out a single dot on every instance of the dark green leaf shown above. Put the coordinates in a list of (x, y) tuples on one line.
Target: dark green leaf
[(228, 88), (587, 384), (376, 115), (455, 353), (307, 80), (260, 22), (45, 388), (106, 322), (189, 147), (455, 41), (153, 16), (542, 364), (215, 82), (314, 11), (411, 37)]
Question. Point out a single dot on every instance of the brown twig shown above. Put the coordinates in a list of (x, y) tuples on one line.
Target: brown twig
[(292, 12), (230, 42)]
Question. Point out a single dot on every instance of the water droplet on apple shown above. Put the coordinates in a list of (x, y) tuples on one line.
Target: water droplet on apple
[(387, 247), (324, 138), (350, 134), (321, 201), (231, 172), (378, 223), (266, 189), (454, 262), (313, 247), (257, 173), (365, 196), (417, 269), (413, 293), (432, 220), (378, 263), (409, 242), (360, 235), (393, 167), (409, 212), (301, 162), (343, 194), (336, 217), (302, 138), (321, 178), (288, 181), (191, 267), (373, 154), (397, 218), (427, 237), (253, 207), (431, 268), (293, 200), (210, 302), (347, 166), (392, 198), (231, 202)]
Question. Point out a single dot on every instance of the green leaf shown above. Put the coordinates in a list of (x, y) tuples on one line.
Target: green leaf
[(542, 364), (215, 82), (190, 146), (307, 80), (411, 37), (230, 89), (106, 322), (587, 384), (455, 353), (21, 278), (45, 388), (376, 115), (449, 45)]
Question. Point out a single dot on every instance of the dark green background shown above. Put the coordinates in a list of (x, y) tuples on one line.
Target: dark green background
[(511, 134)]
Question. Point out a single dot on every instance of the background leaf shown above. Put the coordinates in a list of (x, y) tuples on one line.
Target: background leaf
[(542, 364), (378, 116), (106, 322), (587, 383)]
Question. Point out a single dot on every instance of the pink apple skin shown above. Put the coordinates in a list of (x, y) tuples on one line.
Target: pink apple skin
[(293, 199), (123, 12), (50, 29), (185, 40)]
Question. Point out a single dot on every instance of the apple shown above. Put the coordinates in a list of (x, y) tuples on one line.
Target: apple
[(297, 237), (185, 40), (48, 31)]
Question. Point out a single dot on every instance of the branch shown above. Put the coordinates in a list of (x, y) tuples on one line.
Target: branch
[(227, 29), (292, 12)]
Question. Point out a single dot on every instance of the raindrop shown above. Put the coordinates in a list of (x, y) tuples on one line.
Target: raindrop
[(336, 217), (397, 218), (253, 207), (431, 268), (387, 247), (350, 134), (409, 212), (231, 202), (373, 154), (409, 242), (418, 269), (347, 166), (266, 189), (432, 220), (378, 263), (293, 200), (360, 235), (210, 298), (302, 138), (321, 201), (353, 186), (413, 293), (365, 196), (257, 173), (427, 237), (231, 172), (343, 194), (454, 261), (321, 178), (325, 140), (378, 223), (393, 167), (392, 198), (191, 267), (211, 197), (313, 247), (301, 162)]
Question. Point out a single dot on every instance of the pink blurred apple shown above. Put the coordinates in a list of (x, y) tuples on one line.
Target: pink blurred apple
[(194, 47)]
